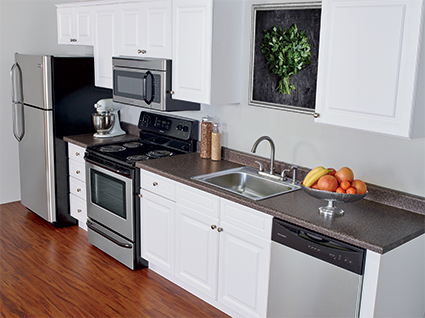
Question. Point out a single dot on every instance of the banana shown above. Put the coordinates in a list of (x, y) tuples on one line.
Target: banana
[(312, 171), (314, 175)]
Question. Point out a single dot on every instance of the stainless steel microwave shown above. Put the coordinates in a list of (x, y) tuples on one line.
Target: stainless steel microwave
[(146, 83)]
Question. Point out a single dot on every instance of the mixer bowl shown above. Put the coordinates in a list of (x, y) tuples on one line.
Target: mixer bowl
[(103, 122)]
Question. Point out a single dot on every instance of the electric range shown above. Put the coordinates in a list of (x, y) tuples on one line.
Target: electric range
[(113, 180)]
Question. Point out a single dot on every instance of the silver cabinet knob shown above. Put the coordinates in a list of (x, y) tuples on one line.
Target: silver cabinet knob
[(141, 51), (140, 195), (220, 229), (155, 184), (79, 210), (315, 115), (78, 190), (73, 40), (213, 227), (78, 172), (77, 154)]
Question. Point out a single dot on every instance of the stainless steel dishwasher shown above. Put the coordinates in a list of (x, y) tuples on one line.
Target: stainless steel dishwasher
[(312, 275)]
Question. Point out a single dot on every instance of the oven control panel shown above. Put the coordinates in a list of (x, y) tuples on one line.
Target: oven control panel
[(171, 126)]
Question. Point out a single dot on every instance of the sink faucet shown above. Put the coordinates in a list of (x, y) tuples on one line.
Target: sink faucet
[(254, 148)]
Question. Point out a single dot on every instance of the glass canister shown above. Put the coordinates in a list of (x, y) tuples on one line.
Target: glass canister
[(215, 143), (206, 133)]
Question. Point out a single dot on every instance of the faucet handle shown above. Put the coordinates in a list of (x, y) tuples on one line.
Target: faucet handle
[(283, 174), (261, 169)]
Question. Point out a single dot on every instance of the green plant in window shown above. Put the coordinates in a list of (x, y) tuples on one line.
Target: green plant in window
[(287, 52)]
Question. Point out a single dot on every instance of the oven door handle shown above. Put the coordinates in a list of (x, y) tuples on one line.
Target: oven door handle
[(93, 227)]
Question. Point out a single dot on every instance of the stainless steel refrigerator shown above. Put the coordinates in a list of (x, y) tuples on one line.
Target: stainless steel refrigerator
[(52, 97)]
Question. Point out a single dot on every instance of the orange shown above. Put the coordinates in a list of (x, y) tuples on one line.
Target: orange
[(345, 185), (327, 183), (360, 186), (351, 190), (340, 190), (344, 174)]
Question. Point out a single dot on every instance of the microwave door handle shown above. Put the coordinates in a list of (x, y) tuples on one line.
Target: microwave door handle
[(17, 101), (145, 88)]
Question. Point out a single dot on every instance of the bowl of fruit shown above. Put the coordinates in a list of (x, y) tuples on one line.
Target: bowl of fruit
[(334, 186)]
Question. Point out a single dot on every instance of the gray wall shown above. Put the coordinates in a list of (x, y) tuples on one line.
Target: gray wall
[(25, 27), (386, 161)]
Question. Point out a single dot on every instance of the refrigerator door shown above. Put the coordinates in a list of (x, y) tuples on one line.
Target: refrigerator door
[(36, 79), (36, 163)]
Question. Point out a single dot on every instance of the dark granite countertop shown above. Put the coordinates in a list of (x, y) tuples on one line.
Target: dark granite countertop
[(367, 224), (88, 140)]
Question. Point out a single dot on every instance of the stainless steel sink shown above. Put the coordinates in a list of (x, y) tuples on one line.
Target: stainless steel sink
[(246, 181)]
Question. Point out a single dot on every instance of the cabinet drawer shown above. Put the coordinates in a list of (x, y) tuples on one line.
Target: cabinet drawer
[(247, 219), (76, 152), (198, 200), (77, 170), (78, 209), (159, 185), (77, 187)]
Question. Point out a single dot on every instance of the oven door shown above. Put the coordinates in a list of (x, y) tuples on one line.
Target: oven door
[(139, 87), (110, 200)]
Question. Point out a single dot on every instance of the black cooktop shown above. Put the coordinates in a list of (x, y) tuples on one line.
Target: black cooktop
[(160, 136)]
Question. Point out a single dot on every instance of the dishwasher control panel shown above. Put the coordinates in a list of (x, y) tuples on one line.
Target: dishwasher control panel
[(320, 246)]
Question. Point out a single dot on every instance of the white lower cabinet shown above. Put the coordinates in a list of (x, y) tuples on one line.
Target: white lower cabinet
[(77, 184), (214, 248), (158, 218)]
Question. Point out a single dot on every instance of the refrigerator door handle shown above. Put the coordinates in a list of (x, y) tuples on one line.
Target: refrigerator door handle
[(17, 100), (18, 120)]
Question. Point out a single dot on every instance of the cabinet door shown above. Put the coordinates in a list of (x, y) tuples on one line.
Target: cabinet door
[(368, 64), (83, 25), (192, 41), (156, 31), (197, 249), (130, 20), (158, 234), (244, 266), (105, 27), (65, 25)]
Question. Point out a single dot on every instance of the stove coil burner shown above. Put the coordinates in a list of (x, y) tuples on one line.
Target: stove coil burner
[(137, 158), (159, 153), (112, 148), (134, 144)]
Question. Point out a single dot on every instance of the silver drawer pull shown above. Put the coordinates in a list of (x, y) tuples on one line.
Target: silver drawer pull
[(78, 190), (155, 184), (78, 172), (79, 210)]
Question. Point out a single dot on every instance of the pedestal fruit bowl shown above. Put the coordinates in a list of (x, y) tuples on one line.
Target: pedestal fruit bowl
[(333, 197)]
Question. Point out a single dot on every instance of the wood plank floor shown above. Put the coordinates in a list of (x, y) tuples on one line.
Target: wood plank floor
[(51, 272)]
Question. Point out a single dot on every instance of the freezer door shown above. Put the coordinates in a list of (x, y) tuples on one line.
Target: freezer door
[(36, 79), (36, 163)]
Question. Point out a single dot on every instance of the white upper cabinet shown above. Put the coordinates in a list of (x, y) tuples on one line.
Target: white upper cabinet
[(145, 29), (371, 69), (207, 41), (105, 26), (75, 25)]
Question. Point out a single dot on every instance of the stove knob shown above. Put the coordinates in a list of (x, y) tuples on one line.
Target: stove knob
[(179, 127), (185, 128)]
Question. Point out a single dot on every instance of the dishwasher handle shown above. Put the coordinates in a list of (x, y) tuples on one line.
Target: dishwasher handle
[(319, 246)]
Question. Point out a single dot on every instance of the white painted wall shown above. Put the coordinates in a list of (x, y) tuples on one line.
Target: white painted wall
[(386, 161), (25, 27)]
